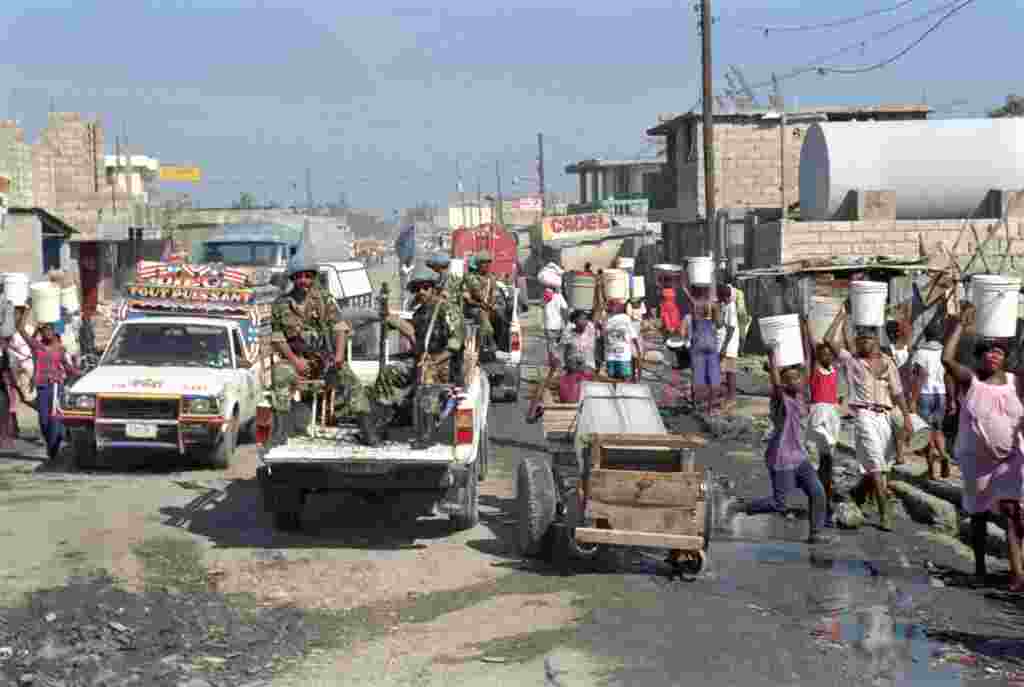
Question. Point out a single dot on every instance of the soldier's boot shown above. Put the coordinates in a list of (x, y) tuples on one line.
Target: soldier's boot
[(368, 429), (282, 427)]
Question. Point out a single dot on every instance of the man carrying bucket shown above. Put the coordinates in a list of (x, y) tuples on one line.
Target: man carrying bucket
[(875, 391)]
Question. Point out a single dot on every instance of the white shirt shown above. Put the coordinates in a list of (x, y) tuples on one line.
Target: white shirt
[(730, 319), (902, 355), (553, 312), (618, 339), (929, 359)]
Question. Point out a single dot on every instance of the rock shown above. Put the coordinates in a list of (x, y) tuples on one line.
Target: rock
[(848, 516), (925, 508), (27, 679), (937, 583), (118, 627), (195, 682), (995, 538), (50, 617)]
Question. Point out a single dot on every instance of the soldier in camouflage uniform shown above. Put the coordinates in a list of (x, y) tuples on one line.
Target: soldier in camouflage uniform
[(450, 288), (305, 328), (396, 385), (479, 293)]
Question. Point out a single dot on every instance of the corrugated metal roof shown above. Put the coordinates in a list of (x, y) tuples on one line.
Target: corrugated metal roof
[(841, 111), (617, 409)]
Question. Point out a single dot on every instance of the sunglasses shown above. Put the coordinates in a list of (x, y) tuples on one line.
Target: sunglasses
[(421, 287)]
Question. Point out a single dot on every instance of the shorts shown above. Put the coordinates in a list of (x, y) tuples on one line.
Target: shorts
[(620, 369), (706, 368), (728, 364), (874, 440), (932, 409)]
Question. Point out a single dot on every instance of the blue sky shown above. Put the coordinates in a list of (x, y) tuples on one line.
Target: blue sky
[(379, 99)]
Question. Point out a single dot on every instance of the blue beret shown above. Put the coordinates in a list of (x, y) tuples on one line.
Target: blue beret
[(439, 259)]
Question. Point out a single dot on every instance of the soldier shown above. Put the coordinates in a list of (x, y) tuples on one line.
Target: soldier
[(433, 354), (450, 288), (304, 325), (479, 295)]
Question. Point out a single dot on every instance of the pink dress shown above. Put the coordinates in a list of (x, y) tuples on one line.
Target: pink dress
[(989, 447)]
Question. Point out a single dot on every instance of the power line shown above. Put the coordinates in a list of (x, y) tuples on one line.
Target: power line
[(766, 29), (817, 65), (901, 53)]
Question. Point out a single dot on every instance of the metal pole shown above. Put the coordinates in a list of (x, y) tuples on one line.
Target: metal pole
[(501, 207), (708, 115), (540, 174), (782, 147), (462, 195), (479, 204)]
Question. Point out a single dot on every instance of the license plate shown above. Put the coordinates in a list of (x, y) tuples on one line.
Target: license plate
[(140, 431)]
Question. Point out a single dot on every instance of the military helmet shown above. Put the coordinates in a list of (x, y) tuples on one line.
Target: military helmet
[(421, 275), (439, 260)]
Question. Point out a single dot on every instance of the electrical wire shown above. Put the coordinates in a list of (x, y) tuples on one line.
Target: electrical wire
[(886, 62), (767, 28)]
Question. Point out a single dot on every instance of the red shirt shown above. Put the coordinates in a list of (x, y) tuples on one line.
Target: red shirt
[(570, 386), (824, 386)]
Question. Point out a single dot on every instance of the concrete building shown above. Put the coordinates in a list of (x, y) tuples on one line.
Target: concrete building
[(752, 153), (617, 186), (132, 175)]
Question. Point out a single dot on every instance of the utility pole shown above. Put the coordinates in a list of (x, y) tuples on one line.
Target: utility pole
[(117, 173), (479, 204), (781, 104), (462, 195), (309, 189), (501, 209), (540, 173), (709, 127)]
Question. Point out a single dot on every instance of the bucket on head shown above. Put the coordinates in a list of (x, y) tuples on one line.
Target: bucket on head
[(996, 299), (550, 278), (867, 303), (781, 334), (625, 263), (668, 276), (674, 343), (637, 286), (700, 270), (616, 284), (45, 302), (457, 267), (69, 299), (823, 313), (579, 290), (16, 287)]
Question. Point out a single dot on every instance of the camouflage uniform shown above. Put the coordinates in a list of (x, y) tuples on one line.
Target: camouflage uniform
[(483, 288), (312, 326)]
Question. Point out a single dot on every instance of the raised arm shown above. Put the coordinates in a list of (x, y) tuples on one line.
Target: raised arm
[(830, 336), (805, 329), (773, 373), (961, 374)]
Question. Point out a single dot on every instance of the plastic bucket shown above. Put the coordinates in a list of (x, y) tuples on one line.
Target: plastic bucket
[(550, 277), (996, 299), (637, 286), (781, 333), (579, 290), (45, 302), (867, 303), (700, 270), (616, 284), (668, 276), (823, 313), (625, 263), (69, 299), (457, 267), (16, 287)]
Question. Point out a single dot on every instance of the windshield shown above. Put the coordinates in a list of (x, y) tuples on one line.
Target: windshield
[(246, 253), (166, 345)]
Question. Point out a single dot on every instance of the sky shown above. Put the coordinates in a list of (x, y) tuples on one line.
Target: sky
[(382, 100)]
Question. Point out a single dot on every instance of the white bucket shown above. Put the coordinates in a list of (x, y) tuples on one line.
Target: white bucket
[(625, 263), (550, 277), (667, 275), (45, 302), (823, 313), (69, 299), (16, 287), (996, 300), (616, 284), (781, 333), (700, 270), (579, 290), (457, 267), (637, 286), (867, 303)]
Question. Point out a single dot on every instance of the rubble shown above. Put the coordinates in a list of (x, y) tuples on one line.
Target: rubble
[(925, 508), (847, 516)]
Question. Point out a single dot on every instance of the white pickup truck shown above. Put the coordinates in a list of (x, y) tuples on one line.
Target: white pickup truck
[(329, 457), (181, 384)]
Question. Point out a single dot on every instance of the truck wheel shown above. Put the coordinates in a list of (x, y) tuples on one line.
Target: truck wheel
[(83, 447), (573, 520), (288, 521), (220, 456), (469, 504), (535, 503)]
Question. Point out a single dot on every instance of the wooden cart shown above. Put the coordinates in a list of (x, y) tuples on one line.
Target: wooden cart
[(636, 490)]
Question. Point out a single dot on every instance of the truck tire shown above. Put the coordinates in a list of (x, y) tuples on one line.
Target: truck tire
[(574, 519), (83, 448), (219, 457), (535, 503), (468, 515)]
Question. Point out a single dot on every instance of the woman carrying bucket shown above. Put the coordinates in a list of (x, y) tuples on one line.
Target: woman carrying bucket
[(989, 444), (875, 391), (705, 357)]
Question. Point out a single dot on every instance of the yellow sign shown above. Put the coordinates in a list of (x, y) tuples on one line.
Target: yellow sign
[(173, 173), (587, 226)]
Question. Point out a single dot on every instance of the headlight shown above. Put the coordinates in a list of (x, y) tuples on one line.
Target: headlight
[(81, 402), (201, 406)]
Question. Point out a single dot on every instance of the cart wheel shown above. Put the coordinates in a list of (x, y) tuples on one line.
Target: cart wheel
[(709, 508), (574, 518), (687, 562)]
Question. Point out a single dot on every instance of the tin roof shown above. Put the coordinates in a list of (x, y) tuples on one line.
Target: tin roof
[(832, 112)]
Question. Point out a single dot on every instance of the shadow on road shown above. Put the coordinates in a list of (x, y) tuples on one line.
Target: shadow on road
[(233, 517)]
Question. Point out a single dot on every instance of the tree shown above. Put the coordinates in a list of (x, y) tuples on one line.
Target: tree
[(246, 201), (1014, 107)]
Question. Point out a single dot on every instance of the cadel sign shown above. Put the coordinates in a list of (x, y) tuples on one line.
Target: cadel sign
[(591, 225)]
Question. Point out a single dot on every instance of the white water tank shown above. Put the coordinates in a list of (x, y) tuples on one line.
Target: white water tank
[(938, 169)]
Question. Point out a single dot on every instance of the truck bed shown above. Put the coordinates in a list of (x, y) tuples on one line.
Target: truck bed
[(341, 445)]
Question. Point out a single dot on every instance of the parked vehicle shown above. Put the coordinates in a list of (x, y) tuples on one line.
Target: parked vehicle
[(348, 283), (181, 384)]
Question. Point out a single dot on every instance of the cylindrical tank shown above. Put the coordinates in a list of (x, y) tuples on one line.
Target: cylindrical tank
[(938, 169)]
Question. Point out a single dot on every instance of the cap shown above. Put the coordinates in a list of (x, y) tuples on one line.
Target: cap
[(421, 275), (439, 260)]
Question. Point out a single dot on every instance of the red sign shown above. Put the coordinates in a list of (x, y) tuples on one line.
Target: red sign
[(576, 226)]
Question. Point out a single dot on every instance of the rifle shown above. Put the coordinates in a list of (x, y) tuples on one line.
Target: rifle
[(383, 343), (417, 413)]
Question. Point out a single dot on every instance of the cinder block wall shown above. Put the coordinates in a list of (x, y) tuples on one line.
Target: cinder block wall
[(21, 245), (16, 163)]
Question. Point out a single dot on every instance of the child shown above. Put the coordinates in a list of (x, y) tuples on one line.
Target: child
[(621, 345), (556, 312), (571, 383), (823, 424), (788, 465), (729, 341), (51, 369), (929, 383), (705, 356)]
